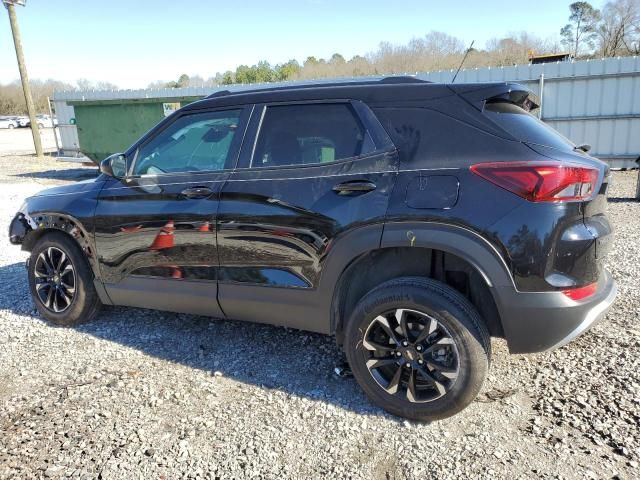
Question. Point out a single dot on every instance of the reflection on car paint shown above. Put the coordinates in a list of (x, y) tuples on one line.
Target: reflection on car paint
[(248, 275)]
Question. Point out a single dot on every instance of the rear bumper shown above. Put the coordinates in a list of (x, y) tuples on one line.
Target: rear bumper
[(537, 322)]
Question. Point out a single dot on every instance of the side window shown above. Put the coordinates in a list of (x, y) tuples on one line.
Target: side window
[(309, 134), (197, 142)]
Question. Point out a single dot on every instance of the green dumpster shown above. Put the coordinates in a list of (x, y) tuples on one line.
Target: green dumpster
[(111, 126)]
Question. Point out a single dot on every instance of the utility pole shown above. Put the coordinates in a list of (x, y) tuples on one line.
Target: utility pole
[(35, 131)]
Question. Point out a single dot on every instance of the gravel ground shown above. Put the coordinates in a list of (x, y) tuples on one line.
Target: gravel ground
[(23, 168), (20, 140), (145, 394)]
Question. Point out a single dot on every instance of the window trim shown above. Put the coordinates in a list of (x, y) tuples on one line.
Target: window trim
[(376, 133), (235, 147)]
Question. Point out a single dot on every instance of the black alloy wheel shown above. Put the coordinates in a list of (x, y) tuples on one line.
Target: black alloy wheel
[(61, 280), (418, 348), (410, 354), (55, 279)]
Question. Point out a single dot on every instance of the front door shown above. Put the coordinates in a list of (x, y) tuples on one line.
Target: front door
[(155, 229), (310, 174)]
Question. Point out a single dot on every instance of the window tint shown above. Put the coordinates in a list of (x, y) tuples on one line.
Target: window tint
[(524, 126), (306, 134), (198, 142)]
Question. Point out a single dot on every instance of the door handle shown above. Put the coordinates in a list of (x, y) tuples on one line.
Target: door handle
[(354, 187), (197, 192)]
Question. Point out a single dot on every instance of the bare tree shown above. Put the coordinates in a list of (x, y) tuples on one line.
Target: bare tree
[(84, 84), (12, 99), (515, 49), (619, 28)]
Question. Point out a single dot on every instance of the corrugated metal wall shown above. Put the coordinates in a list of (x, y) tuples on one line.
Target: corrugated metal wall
[(591, 101)]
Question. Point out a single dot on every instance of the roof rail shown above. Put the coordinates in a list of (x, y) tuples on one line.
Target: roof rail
[(219, 93), (267, 87)]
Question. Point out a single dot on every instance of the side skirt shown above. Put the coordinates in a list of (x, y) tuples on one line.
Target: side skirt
[(181, 296)]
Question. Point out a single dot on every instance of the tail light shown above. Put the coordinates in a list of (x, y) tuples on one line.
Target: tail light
[(541, 181), (581, 293)]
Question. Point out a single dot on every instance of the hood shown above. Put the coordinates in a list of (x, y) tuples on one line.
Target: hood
[(77, 187)]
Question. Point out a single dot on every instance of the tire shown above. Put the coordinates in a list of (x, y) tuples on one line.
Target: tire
[(40, 125), (75, 300), (11, 127), (447, 367)]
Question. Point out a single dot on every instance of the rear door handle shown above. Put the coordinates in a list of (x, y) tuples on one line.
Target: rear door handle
[(354, 187), (197, 192)]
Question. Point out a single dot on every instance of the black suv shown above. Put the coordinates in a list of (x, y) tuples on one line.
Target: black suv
[(411, 220)]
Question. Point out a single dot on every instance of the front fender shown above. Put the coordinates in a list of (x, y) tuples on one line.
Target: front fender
[(26, 229)]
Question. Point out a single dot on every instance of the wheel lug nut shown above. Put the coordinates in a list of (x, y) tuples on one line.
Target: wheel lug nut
[(419, 348), (398, 354), (405, 343), (420, 361)]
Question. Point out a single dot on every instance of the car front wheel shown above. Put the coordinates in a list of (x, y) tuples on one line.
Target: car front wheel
[(418, 348), (61, 281)]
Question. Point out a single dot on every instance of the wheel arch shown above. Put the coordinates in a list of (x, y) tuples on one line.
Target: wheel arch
[(39, 224), (421, 249), (453, 239)]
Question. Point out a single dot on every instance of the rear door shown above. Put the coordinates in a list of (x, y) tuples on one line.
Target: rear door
[(155, 228), (310, 173)]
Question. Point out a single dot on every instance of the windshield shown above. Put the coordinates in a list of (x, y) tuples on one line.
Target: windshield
[(525, 127)]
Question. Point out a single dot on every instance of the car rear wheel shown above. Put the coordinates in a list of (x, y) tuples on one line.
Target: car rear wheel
[(418, 348), (11, 127), (61, 281)]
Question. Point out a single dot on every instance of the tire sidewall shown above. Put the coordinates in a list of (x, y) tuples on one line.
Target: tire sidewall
[(455, 316), (80, 305)]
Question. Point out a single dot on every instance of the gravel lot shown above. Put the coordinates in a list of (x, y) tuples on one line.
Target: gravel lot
[(20, 140), (145, 394)]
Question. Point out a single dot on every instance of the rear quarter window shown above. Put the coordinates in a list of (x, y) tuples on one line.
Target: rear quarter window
[(525, 127), (306, 134)]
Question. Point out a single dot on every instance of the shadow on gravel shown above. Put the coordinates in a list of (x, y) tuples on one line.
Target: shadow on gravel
[(63, 174), (295, 362)]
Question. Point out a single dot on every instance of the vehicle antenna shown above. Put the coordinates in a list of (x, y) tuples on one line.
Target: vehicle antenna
[(463, 59)]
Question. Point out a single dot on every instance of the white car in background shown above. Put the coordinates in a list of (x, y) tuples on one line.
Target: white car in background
[(44, 121), (8, 122)]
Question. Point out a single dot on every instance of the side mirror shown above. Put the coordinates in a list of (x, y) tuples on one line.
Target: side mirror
[(114, 165)]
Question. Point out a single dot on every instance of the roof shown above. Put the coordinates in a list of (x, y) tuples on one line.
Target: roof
[(379, 92), (374, 90), (550, 55), (332, 82)]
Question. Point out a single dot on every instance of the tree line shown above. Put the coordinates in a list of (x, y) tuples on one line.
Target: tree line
[(434, 51), (613, 30), (12, 98)]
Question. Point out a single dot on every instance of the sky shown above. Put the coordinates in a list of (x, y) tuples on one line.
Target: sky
[(132, 43)]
